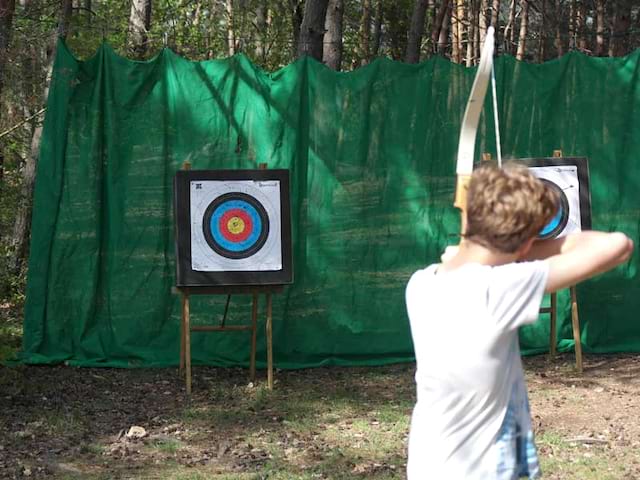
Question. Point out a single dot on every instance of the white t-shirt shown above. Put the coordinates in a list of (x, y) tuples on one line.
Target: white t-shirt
[(464, 327)]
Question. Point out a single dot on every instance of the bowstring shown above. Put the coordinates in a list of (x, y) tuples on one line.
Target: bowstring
[(495, 115)]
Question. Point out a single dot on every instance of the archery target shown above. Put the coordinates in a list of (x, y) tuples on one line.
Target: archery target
[(564, 180), (235, 225)]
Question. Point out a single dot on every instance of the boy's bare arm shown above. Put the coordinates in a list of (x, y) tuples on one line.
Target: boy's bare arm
[(580, 256)]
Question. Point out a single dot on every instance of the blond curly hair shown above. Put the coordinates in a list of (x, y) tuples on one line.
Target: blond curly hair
[(507, 206)]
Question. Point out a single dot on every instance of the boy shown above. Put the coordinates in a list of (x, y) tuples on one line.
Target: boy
[(471, 419)]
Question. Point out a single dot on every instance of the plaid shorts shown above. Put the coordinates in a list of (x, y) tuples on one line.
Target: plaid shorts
[(517, 455)]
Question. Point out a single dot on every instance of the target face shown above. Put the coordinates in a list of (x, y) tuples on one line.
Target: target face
[(569, 177), (235, 225)]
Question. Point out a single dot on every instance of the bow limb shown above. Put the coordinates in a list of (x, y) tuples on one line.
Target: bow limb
[(469, 129)]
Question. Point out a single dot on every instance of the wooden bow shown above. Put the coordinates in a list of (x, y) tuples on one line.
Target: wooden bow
[(469, 129)]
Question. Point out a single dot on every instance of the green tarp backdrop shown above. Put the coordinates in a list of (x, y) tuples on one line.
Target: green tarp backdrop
[(372, 161)]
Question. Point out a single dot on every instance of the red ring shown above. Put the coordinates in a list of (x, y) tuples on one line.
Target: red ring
[(224, 222)]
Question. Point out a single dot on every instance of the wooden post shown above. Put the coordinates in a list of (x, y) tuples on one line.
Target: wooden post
[(553, 322), (268, 328), (182, 333), (269, 333), (187, 341), (575, 322), (575, 319), (554, 297), (186, 165), (254, 326)]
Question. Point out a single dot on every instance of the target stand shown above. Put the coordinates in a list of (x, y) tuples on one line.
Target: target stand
[(186, 328), (233, 237), (569, 176)]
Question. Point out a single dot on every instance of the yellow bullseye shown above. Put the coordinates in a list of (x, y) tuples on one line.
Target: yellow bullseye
[(235, 225)]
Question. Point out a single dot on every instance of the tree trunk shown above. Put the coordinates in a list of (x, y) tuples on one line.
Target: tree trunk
[(524, 24), (443, 35), (7, 8), (88, 12), (416, 31), (509, 38), (559, 44), (573, 11), (430, 19), (139, 25), (231, 34), (599, 50), (312, 29), (476, 31), (261, 27), (21, 227), (296, 7), (542, 35), (64, 24), (495, 22), (455, 44), (332, 49), (438, 24), (365, 32), (377, 29), (471, 33), (457, 14), (483, 17), (581, 24), (620, 29), (495, 14)]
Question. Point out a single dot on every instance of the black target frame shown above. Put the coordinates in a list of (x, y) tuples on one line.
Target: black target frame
[(584, 193), (185, 275)]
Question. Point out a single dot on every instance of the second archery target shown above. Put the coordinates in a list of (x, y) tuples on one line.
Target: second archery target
[(233, 227), (569, 177)]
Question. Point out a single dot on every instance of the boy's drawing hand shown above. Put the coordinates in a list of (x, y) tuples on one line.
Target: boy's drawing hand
[(449, 253)]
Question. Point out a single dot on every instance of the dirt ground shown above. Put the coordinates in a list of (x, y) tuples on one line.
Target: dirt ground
[(587, 423), (333, 423)]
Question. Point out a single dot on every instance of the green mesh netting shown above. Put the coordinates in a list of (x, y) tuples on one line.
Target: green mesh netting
[(372, 160)]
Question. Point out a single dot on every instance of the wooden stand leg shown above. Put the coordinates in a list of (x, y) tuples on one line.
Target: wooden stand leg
[(552, 326), (187, 343), (269, 334), (182, 334), (254, 325), (575, 322)]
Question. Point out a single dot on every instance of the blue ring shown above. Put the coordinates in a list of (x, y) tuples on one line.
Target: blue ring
[(553, 223)]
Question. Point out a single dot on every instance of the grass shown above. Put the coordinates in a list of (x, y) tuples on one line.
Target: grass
[(167, 445), (10, 339), (561, 459)]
